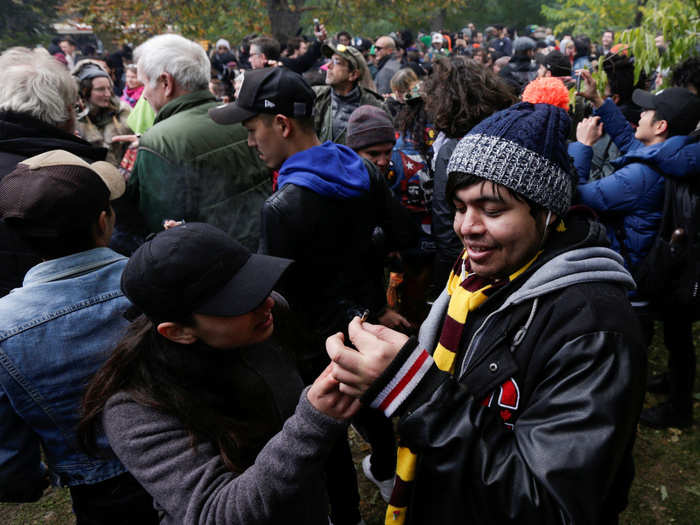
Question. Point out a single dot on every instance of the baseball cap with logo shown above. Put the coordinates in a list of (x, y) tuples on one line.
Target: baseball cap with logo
[(56, 192), (676, 105), (349, 53), (271, 90)]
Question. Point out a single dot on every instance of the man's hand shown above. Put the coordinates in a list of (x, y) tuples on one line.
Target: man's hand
[(171, 223), (321, 34), (325, 397), (589, 130), (589, 90), (357, 370), (133, 140), (394, 320)]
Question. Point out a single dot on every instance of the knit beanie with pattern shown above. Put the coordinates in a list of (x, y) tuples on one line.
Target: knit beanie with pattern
[(367, 126), (522, 148)]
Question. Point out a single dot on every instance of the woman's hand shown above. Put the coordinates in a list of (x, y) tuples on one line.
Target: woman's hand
[(326, 397)]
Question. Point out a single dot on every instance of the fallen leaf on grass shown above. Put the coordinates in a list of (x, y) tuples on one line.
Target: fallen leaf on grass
[(695, 489)]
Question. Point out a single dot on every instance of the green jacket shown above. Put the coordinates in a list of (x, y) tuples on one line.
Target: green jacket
[(188, 167), (323, 117)]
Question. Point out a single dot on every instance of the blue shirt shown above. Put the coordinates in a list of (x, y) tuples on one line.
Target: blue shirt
[(55, 332)]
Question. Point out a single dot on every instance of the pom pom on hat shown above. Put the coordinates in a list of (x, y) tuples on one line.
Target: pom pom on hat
[(522, 148), (547, 90)]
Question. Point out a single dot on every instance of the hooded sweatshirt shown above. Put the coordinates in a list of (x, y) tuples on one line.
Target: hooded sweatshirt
[(542, 407), (331, 170)]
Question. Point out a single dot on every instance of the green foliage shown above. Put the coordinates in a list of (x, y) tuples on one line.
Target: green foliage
[(678, 21), (511, 13), (26, 22), (590, 17)]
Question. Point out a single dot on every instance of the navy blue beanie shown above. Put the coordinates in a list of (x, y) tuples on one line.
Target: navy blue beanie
[(523, 148)]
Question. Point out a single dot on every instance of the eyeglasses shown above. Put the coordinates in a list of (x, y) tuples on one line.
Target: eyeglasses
[(338, 61)]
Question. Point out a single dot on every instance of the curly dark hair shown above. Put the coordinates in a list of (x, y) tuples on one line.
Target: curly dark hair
[(413, 121), (460, 93), (687, 73)]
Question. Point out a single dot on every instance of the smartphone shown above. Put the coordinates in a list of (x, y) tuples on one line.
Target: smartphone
[(579, 81), (317, 24)]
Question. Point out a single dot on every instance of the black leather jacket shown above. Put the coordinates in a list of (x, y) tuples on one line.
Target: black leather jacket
[(537, 424), (338, 269)]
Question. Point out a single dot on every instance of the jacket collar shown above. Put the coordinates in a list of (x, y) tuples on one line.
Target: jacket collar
[(184, 102), (71, 265), (25, 135)]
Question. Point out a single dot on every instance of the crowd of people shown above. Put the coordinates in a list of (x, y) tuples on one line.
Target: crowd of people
[(214, 261)]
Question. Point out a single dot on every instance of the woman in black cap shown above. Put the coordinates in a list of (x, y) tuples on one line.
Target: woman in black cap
[(194, 398)]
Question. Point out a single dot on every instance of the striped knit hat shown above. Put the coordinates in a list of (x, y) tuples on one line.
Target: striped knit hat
[(522, 148)]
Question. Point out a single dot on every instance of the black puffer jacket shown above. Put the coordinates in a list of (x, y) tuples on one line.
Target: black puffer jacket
[(538, 422), (22, 137)]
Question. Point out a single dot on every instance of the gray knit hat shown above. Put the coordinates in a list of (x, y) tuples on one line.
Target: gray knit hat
[(522, 148), (367, 126)]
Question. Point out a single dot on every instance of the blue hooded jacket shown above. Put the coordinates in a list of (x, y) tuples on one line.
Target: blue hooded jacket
[(331, 169), (635, 191)]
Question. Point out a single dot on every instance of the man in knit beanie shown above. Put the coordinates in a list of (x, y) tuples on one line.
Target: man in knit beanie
[(519, 399), (371, 134)]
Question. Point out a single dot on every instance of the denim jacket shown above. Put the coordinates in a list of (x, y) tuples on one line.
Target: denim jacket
[(55, 332)]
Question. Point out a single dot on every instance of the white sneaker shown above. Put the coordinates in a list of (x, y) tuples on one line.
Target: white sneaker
[(385, 487)]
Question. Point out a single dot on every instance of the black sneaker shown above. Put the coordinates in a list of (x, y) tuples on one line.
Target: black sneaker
[(665, 416), (658, 384)]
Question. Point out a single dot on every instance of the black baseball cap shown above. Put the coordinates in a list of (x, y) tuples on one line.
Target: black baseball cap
[(197, 268), (676, 105), (271, 90)]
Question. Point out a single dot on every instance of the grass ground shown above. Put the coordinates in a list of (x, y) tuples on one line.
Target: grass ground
[(666, 488)]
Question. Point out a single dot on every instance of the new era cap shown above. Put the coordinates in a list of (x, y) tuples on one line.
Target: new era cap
[(676, 105), (271, 90), (197, 268), (57, 191)]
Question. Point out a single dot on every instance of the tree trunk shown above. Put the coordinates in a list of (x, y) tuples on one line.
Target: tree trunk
[(437, 22), (284, 21), (638, 15)]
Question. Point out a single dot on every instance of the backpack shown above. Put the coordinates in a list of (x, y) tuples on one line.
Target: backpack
[(669, 275)]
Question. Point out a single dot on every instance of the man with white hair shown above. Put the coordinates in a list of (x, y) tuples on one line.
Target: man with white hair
[(188, 167), (37, 99)]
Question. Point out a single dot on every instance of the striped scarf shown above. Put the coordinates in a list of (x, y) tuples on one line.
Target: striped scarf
[(467, 292)]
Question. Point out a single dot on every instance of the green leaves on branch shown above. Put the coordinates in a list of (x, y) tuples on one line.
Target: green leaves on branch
[(679, 23), (590, 17)]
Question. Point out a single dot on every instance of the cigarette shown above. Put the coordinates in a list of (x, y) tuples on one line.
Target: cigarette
[(364, 317)]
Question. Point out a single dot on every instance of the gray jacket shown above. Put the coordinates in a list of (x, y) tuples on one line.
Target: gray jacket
[(383, 78), (193, 486)]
